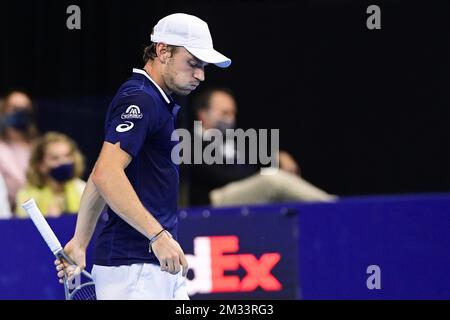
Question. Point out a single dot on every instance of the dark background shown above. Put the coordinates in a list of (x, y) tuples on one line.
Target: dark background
[(362, 111)]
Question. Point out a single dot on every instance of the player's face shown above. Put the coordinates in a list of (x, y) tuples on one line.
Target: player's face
[(183, 72), (56, 154)]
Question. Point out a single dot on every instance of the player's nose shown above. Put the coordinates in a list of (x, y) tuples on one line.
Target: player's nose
[(199, 74)]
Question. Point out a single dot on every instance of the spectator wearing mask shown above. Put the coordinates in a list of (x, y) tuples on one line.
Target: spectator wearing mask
[(238, 184), (17, 131), (53, 176)]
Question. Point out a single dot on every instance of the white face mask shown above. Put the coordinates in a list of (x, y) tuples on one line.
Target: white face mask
[(224, 125)]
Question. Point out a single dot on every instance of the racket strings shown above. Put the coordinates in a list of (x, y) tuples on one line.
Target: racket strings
[(86, 292)]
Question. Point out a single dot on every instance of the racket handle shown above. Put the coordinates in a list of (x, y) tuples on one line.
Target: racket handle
[(47, 233), (62, 255), (42, 225)]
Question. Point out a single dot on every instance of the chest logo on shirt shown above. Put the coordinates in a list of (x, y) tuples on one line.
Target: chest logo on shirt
[(132, 112), (124, 127)]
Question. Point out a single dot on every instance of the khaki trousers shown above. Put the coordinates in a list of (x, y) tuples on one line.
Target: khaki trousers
[(260, 189)]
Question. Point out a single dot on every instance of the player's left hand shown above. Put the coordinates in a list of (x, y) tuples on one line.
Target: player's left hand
[(170, 255)]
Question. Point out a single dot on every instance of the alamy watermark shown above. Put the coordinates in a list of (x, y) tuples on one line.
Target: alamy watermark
[(252, 147), (73, 21), (373, 282), (374, 20)]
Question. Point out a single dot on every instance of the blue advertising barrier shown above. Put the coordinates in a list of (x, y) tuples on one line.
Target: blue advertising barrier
[(407, 238), (357, 248)]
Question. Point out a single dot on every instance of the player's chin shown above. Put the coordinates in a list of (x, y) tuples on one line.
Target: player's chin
[(185, 91)]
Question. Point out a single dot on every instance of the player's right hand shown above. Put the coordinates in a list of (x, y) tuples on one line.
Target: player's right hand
[(78, 254), (170, 255)]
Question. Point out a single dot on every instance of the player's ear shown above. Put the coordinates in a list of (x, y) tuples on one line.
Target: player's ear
[(163, 53)]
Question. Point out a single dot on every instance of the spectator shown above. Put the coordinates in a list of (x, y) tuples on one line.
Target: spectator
[(53, 176), (17, 131), (236, 184), (5, 210)]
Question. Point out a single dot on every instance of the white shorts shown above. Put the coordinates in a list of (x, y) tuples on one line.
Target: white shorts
[(141, 281)]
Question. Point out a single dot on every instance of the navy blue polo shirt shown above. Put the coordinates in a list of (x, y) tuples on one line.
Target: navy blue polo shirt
[(142, 118)]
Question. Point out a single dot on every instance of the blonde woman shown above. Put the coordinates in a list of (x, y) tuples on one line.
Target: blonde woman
[(53, 176)]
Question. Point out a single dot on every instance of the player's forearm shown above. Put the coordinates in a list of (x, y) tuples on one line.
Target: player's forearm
[(91, 206), (118, 192)]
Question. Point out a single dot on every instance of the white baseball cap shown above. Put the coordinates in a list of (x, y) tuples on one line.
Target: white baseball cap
[(192, 33)]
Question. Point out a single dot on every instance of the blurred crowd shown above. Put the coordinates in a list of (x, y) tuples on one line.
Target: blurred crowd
[(49, 166)]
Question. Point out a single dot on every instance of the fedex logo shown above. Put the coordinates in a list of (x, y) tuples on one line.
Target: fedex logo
[(213, 256)]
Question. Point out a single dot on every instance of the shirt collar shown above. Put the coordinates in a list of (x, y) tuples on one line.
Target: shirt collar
[(161, 91)]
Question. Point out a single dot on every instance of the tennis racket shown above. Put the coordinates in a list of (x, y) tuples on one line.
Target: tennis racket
[(74, 289)]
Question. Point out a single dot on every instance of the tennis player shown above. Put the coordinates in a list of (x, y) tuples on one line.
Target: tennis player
[(137, 254)]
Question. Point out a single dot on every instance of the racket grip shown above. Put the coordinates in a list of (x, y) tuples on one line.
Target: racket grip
[(42, 225)]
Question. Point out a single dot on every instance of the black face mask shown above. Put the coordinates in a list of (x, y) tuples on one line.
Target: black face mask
[(19, 120), (63, 173)]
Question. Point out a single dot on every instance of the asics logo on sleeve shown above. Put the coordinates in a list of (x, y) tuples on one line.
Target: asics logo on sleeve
[(124, 127)]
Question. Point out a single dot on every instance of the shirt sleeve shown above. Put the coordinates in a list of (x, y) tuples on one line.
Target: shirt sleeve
[(132, 118)]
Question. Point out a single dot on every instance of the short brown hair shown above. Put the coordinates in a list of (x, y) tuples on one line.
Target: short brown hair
[(150, 51), (34, 175)]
